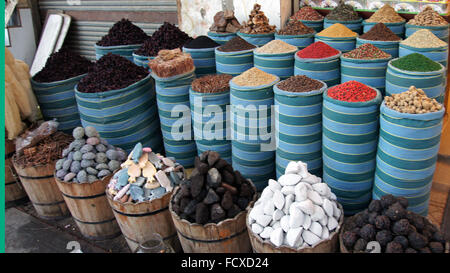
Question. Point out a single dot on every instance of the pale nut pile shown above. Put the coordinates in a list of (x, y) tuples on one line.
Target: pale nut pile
[(297, 211), (412, 101)]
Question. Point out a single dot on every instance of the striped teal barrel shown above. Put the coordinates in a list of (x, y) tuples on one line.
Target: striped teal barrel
[(209, 121), (233, 63), (252, 132), (407, 154), (350, 137), (123, 117), (326, 69), (300, 41), (172, 96), (125, 51), (316, 25), (390, 47), (299, 128), (397, 28), (221, 38), (257, 39), (342, 44), (368, 72), (440, 31), (57, 100), (142, 60), (204, 60), (439, 54), (354, 25), (433, 83), (281, 65)]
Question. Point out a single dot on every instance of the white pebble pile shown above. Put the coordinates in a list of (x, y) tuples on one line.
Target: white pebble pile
[(297, 211)]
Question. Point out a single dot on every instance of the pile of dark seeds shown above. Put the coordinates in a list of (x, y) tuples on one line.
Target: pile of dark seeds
[(111, 72), (123, 33), (201, 42), (299, 83), (236, 44)]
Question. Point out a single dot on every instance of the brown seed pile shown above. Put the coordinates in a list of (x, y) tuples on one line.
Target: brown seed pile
[(428, 17), (254, 77), (300, 83), (212, 83), (386, 14), (224, 21), (257, 23), (276, 47), (171, 62), (412, 101), (295, 27), (423, 39), (236, 44)]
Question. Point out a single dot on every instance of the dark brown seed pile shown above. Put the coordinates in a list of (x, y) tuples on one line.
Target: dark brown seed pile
[(111, 72), (300, 83), (123, 32), (295, 28), (380, 32), (343, 12), (212, 83), (63, 65), (236, 44), (168, 36), (396, 229), (213, 193)]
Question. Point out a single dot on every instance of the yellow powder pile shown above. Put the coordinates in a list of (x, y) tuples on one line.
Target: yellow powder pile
[(386, 14), (338, 31), (254, 77), (276, 47)]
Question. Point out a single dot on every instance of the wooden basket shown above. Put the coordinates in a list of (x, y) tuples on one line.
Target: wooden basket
[(327, 246), (14, 191), (39, 183), (139, 221), (90, 209), (227, 236)]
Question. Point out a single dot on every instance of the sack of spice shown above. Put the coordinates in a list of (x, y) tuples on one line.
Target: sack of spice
[(431, 20), (145, 176), (297, 34), (171, 62), (202, 52), (276, 57), (234, 57), (346, 15), (386, 14), (307, 13), (338, 36)]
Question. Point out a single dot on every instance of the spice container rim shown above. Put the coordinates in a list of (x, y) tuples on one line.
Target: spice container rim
[(378, 42), (223, 222), (198, 49), (376, 100), (342, 21), (365, 60), (337, 232), (390, 66), (307, 35), (217, 51), (256, 34), (108, 177), (171, 78), (294, 51), (279, 91), (309, 21), (191, 90), (117, 46), (311, 60), (427, 27), (423, 49), (55, 83), (337, 38), (386, 24), (252, 88), (425, 116), (221, 34)]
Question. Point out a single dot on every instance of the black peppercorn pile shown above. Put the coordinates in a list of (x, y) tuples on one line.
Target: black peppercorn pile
[(396, 229), (63, 65), (213, 193), (123, 33), (111, 72), (167, 36)]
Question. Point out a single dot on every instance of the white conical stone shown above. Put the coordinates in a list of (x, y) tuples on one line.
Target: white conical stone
[(286, 190), (274, 185), (336, 211), (332, 223), (296, 217), (276, 237), (307, 222), (292, 167), (257, 228), (266, 232), (328, 207), (269, 208), (310, 238), (315, 197), (278, 200), (284, 222), (306, 206), (322, 189), (318, 213), (289, 179), (263, 219), (258, 209), (288, 202), (294, 237), (333, 196), (311, 179), (301, 192), (316, 228), (277, 215), (303, 168), (275, 224), (325, 233), (324, 221), (266, 194)]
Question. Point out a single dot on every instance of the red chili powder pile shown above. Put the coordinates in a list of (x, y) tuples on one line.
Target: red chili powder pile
[(352, 91), (317, 50)]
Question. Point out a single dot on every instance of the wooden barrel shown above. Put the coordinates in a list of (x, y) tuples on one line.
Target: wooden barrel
[(330, 245), (42, 190), (139, 221), (228, 236), (14, 192), (89, 207)]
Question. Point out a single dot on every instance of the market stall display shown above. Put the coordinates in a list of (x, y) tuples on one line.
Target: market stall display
[(224, 27), (337, 36), (426, 43), (296, 33), (202, 51), (139, 195), (257, 29), (209, 208), (389, 17), (382, 37), (310, 17), (234, 57), (431, 20), (346, 15), (276, 58)]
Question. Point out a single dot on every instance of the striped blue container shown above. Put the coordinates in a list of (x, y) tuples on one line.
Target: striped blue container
[(390, 47), (234, 63), (300, 41), (125, 51), (316, 25), (440, 31), (204, 60), (281, 65), (433, 83), (123, 117), (57, 100), (257, 39), (368, 72), (252, 132), (299, 128), (326, 69), (355, 25), (172, 96), (221, 38), (397, 28), (142, 60), (342, 44), (350, 137), (439, 54), (209, 121), (406, 158)]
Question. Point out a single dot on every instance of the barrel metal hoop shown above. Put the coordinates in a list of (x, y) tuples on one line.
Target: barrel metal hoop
[(213, 241), (141, 214), (10, 183), (94, 223), (48, 204), (36, 177), (83, 197)]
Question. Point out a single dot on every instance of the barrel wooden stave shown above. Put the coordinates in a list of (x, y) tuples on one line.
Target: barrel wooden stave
[(89, 207), (14, 191)]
